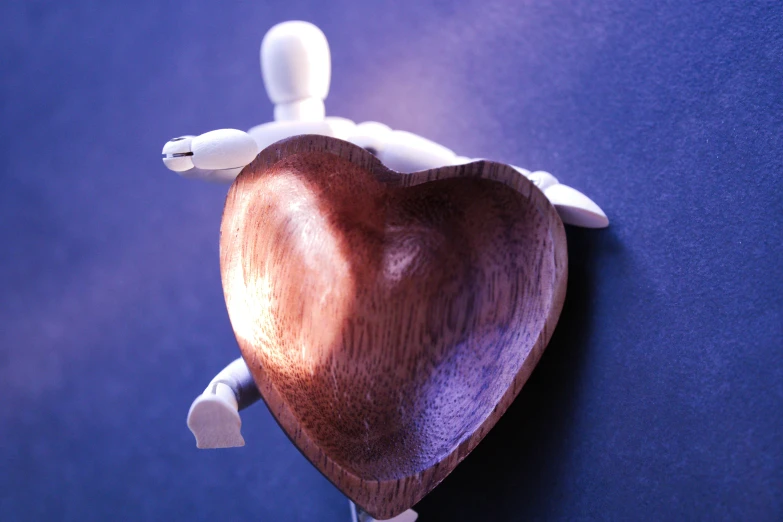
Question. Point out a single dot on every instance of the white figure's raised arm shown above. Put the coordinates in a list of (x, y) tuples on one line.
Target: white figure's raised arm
[(218, 155), (222, 154)]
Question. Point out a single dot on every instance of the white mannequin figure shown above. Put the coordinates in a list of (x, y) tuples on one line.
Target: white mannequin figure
[(296, 67)]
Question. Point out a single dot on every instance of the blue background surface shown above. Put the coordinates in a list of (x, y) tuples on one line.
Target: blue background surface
[(661, 394)]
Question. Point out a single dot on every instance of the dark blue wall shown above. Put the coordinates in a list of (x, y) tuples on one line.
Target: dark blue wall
[(661, 394)]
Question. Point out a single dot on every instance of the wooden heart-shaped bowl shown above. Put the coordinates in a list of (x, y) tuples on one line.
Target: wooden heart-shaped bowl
[(388, 319)]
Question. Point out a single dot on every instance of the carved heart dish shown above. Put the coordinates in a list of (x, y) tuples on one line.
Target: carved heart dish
[(388, 319)]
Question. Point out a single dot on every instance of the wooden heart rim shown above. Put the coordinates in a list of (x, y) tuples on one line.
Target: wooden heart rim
[(388, 319)]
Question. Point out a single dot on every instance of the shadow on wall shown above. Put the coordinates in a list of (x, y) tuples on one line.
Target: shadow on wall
[(521, 461)]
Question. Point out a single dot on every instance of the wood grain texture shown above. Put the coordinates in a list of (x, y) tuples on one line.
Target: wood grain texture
[(388, 319)]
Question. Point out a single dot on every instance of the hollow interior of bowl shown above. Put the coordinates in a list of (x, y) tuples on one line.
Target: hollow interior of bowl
[(390, 321)]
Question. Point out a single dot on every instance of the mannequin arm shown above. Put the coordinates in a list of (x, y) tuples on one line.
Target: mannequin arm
[(222, 154), (407, 152), (218, 155)]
